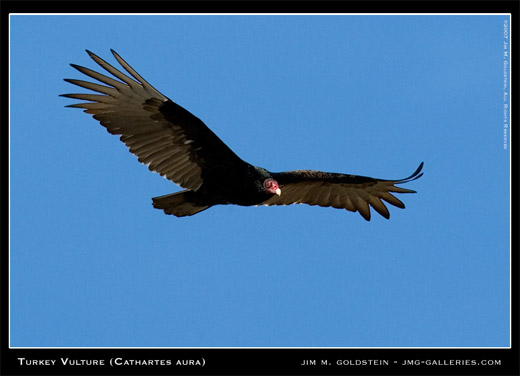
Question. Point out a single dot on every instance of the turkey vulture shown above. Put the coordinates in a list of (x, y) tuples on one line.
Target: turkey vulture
[(179, 146)]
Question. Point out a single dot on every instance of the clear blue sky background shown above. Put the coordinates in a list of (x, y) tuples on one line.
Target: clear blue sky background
[(94, 264)]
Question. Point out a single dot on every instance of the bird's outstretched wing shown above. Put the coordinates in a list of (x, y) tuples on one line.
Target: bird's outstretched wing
[(351, 192), (162, 134)]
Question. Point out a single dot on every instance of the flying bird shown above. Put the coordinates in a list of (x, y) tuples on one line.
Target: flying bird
[(179, 146)]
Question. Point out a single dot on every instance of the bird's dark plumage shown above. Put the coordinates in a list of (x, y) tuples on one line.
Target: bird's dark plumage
[(180, 147)]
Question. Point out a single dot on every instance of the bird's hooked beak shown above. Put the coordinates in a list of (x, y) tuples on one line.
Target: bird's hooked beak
[(278, 191)]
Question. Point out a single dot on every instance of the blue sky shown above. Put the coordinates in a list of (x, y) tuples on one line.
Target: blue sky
[(93, 264)]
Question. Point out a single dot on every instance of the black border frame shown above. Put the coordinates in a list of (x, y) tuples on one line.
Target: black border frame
[(256, 361)]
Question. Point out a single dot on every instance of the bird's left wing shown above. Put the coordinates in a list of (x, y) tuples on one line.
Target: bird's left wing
[(162, 134), (351, 192)]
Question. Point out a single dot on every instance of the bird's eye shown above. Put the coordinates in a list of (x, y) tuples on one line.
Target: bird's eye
[(270, 185)]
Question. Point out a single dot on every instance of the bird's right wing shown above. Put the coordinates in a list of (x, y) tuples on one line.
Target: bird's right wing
[(162, 134), (351, 192)]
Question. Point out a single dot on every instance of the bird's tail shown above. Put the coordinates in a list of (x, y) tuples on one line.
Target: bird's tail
[(178, 204)]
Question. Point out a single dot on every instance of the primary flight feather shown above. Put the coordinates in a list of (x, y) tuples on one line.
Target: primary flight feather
[(180, 147)]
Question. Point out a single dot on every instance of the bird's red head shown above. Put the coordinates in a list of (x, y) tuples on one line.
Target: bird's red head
[(271, 186)]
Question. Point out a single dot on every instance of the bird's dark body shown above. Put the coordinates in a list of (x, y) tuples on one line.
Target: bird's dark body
[(246, 176), (227, 171), (179, 146)]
